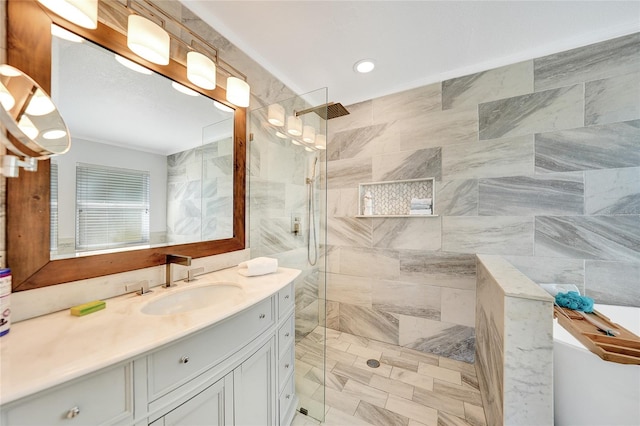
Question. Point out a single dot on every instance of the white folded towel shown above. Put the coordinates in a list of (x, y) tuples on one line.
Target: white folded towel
[(258, 266), (420, 212), (421, 203)]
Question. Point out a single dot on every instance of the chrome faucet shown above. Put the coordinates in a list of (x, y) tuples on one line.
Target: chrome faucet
[(178, 260)]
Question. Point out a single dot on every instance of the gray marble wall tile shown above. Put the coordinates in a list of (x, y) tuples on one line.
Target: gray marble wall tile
[(267, 198), (498, 83), (608, 146), (596, 61), (348, 173), (550, 270), (369, 323), (589, 237), (411, 299), (612, 191), (549, 194), (419, 233), (360, 115), (275, 236), (333, 315), (349, 289), (613, 283), (546, 111), (412, 102), (439, 338), (491, 158), (612, 99), (433, 129), (370, 262), (488, 235), (455, 270), (458, 306), (342, 202), (362, 142), (408, 165), (347, 231), (456, 198)]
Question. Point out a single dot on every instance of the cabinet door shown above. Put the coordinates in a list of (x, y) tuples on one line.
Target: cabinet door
[(254, 388), (209, 407)]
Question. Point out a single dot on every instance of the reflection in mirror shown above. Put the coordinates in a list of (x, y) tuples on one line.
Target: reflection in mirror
[(151, 164), (30, 116)]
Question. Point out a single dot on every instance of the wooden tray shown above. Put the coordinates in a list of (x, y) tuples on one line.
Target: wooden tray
[(624, 348)]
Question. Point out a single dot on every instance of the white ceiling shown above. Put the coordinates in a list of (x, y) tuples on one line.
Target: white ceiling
[(314, 44)]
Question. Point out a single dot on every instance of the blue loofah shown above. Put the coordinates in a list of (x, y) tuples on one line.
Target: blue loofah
[(573, 300)]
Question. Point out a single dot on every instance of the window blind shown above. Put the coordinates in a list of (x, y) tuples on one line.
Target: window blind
[(53, 243), (112, 207)]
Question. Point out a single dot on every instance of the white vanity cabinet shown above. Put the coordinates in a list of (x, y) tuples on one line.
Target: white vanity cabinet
[(238, 371)]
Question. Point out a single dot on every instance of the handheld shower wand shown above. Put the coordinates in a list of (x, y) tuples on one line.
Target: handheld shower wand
[(311, 215)]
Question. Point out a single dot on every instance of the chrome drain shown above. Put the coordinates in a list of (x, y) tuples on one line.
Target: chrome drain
[(373, 363)]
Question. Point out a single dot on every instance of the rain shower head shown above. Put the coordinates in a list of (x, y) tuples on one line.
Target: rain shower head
[(326, 111)]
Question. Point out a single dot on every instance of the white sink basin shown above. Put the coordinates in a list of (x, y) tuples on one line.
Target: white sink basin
[(189, 299)]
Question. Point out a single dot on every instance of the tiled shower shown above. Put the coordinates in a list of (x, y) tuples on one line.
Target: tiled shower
[(538, 161)]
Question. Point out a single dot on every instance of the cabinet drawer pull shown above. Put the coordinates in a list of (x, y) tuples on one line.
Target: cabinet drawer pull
[(184, 360), (74, 412), (286, 334), (286, 297), (286, 366), (262, 316), (288, 396)]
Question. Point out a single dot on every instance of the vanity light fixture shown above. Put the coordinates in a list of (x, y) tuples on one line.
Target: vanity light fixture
[(281, 135), (184, 89), (309, 149), (148, 40), (295, 142), (201, 70), (309, 134), (6, 99), (27, 127), (132, 65), (60, 32), (275, 115), (81, 12), (222, 107), (54, 134), (364, 66), (294, 125), (238, 92), (321, 141), (40, 104)]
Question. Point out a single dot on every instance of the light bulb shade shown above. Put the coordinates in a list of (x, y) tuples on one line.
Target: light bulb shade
[(308, 134), (54, 134), (294, 125), (40, 104), (238, 92), (81, 12), (27, 127), (276, 114), (148, 40), (201, 70), (6, 99), (321, 141), (132, 65), (65, 34), (281, 135)]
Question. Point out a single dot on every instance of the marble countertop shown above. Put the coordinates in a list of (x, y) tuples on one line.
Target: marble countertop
[(49, 350), (511, 280)]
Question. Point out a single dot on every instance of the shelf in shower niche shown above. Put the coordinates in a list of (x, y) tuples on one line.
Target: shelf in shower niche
[(360, 216), (393, 198)]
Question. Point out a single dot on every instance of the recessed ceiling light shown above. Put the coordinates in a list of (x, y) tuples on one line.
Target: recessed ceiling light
[(364, 66)]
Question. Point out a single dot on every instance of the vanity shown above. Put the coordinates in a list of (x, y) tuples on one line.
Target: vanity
[(167, 358)]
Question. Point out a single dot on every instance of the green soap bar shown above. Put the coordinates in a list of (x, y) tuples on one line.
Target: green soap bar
[(88, 308)]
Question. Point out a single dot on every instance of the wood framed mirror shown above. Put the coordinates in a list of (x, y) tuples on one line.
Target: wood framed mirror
[(28, 197)]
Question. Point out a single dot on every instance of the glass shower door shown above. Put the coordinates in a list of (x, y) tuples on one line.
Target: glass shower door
[(287, 216)]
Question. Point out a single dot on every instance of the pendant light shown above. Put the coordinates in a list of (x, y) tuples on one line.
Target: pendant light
[(321, 141), (27, 127), (275, 115), (201, 70), (308, 134), (294, 125), (6, 98), (81, 12), (238, 92), (148, 40)]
